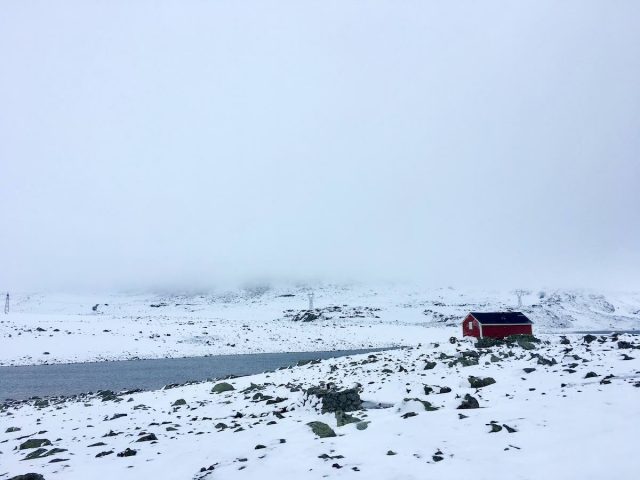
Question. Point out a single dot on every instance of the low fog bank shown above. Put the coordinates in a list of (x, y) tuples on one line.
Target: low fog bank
[(198, 145)]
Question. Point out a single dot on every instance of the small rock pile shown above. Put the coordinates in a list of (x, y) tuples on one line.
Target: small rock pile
[(334, 400)]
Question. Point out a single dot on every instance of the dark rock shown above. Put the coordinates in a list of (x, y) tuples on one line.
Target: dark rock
[(180, 401), (104, 454), (545, 361), (465, 361), (116, 416), (127, 453), (591, 375), (107, 395), (391, 452), (365, 425), (623, 344), (34, 443), (28, 476), (437, 458), (525, 344), (589, 338), (337, 400), (259, 447), (222, 387), (529, 369), (495, 428), (508, 428), (345, 419), (37, 453), (468, 403), (306, 316), (12, 429), (147, 438), (321, 429), (409, 415), (444, 390), (479, 382), (427, 405), (430, 365)]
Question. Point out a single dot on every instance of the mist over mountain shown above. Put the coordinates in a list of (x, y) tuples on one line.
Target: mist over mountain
[(185, 146)]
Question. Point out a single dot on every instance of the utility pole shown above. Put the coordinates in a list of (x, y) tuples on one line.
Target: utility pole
[(310, 294), (6, 304), (520, 293)]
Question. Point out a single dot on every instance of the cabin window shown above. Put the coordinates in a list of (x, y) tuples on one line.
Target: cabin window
[(470, 325)]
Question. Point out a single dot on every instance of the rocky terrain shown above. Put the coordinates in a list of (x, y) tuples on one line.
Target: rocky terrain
[(557, 406)]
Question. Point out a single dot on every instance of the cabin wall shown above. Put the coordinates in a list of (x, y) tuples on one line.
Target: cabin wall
[(470, 327), (499, 331)]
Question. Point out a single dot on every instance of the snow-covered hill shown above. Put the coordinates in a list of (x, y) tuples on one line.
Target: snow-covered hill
[(69, 328)]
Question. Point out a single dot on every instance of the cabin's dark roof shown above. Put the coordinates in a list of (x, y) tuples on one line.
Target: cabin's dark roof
[(501, 318)]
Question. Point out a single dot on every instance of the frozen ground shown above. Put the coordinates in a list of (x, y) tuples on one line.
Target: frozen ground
[(64, 328), (575, 415)]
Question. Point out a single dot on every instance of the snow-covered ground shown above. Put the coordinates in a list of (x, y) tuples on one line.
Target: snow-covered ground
[(575, 415), (64, 328)]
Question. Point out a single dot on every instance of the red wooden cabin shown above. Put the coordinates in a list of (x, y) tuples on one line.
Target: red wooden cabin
[(496, 324)]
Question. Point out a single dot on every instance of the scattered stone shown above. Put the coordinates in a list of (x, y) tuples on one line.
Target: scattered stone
[(180, 401), (116, 416), (479, 382), (508, 428), (325, 456), (321, 429), (409, 415), (343, 419), (127, 453), (529, 369), (28, 476), (36, 454), (104, 454), (12, 429), (589, 338), (427, 405), (362, 425), (430, 365), (34, 443), (469, 402), (391, 452), (591, 375), (147, 438), (545, 361), (222, 387), (495, 428)]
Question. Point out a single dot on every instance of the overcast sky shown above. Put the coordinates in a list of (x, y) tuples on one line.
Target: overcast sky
[(185, 144)]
